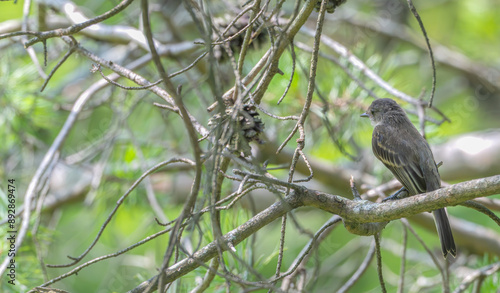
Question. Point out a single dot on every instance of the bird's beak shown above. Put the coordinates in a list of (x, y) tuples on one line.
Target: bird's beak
[(364, 115)]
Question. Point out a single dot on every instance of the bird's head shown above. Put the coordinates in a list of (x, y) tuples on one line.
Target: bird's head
[(380, 107)]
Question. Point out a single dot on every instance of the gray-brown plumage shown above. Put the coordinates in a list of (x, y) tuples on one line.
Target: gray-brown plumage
[(399, 145)]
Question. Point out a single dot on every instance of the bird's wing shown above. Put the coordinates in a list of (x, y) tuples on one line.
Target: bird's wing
[(400, 158)]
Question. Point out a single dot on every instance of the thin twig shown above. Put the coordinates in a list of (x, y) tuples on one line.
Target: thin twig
[(354, 190), (248, 34), (291, 117), (246, 28), (97, 67), (360, 271), (356, 62), (431, 55), (305, 254), (282, 44), (477, 275), (192, 138), (138, 79), (292, 73), (402, 270), (209, 277), (309, 94), (281, 249), (379, 263), (481, 208), (118, 204), (31, 51), (54, 148), (78, 27), (150, 193), (64, 58), (349, 73), (421, 114), (429, 252), (101, 258), (488, 76), (19, 33)]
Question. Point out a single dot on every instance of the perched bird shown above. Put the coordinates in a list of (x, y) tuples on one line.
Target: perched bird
[(399, 145)]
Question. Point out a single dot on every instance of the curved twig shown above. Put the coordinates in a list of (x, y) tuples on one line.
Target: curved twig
[(379, 263), (118, 204), (431, 55), (78, 27)]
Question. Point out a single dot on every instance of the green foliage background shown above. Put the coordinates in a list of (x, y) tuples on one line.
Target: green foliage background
[(30, 120)]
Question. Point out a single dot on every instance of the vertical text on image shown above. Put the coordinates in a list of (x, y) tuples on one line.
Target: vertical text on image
[(11, 231)]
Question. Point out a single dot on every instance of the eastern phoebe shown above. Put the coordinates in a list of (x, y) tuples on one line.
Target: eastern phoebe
[(399, 145)]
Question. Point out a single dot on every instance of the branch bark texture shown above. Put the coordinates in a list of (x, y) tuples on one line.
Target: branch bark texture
[(359, 211)]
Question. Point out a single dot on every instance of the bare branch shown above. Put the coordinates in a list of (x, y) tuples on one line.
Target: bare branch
[(78, 27), (361, 211), (477, 276), (431, 55), (361, 269), (379, 263), (366, 212)]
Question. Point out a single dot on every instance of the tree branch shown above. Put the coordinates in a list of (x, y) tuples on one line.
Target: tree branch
[(78, 27), (360, 211), (366, 212)]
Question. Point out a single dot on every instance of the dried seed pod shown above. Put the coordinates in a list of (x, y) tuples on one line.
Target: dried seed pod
[(240, 131), (236, 40), (330, 6)]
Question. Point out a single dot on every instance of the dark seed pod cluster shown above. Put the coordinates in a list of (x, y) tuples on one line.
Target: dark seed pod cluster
[(239, 132), (251, 124), (236, 40), (330, 5)]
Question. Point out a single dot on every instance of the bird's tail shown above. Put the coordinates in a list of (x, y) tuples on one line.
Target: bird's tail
[(444, 232)]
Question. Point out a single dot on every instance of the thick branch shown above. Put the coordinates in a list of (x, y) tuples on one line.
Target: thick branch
[(235, 237), (366, 211), (349, 210)]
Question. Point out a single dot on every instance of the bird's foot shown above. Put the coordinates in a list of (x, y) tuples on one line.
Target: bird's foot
[(402, 193)]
